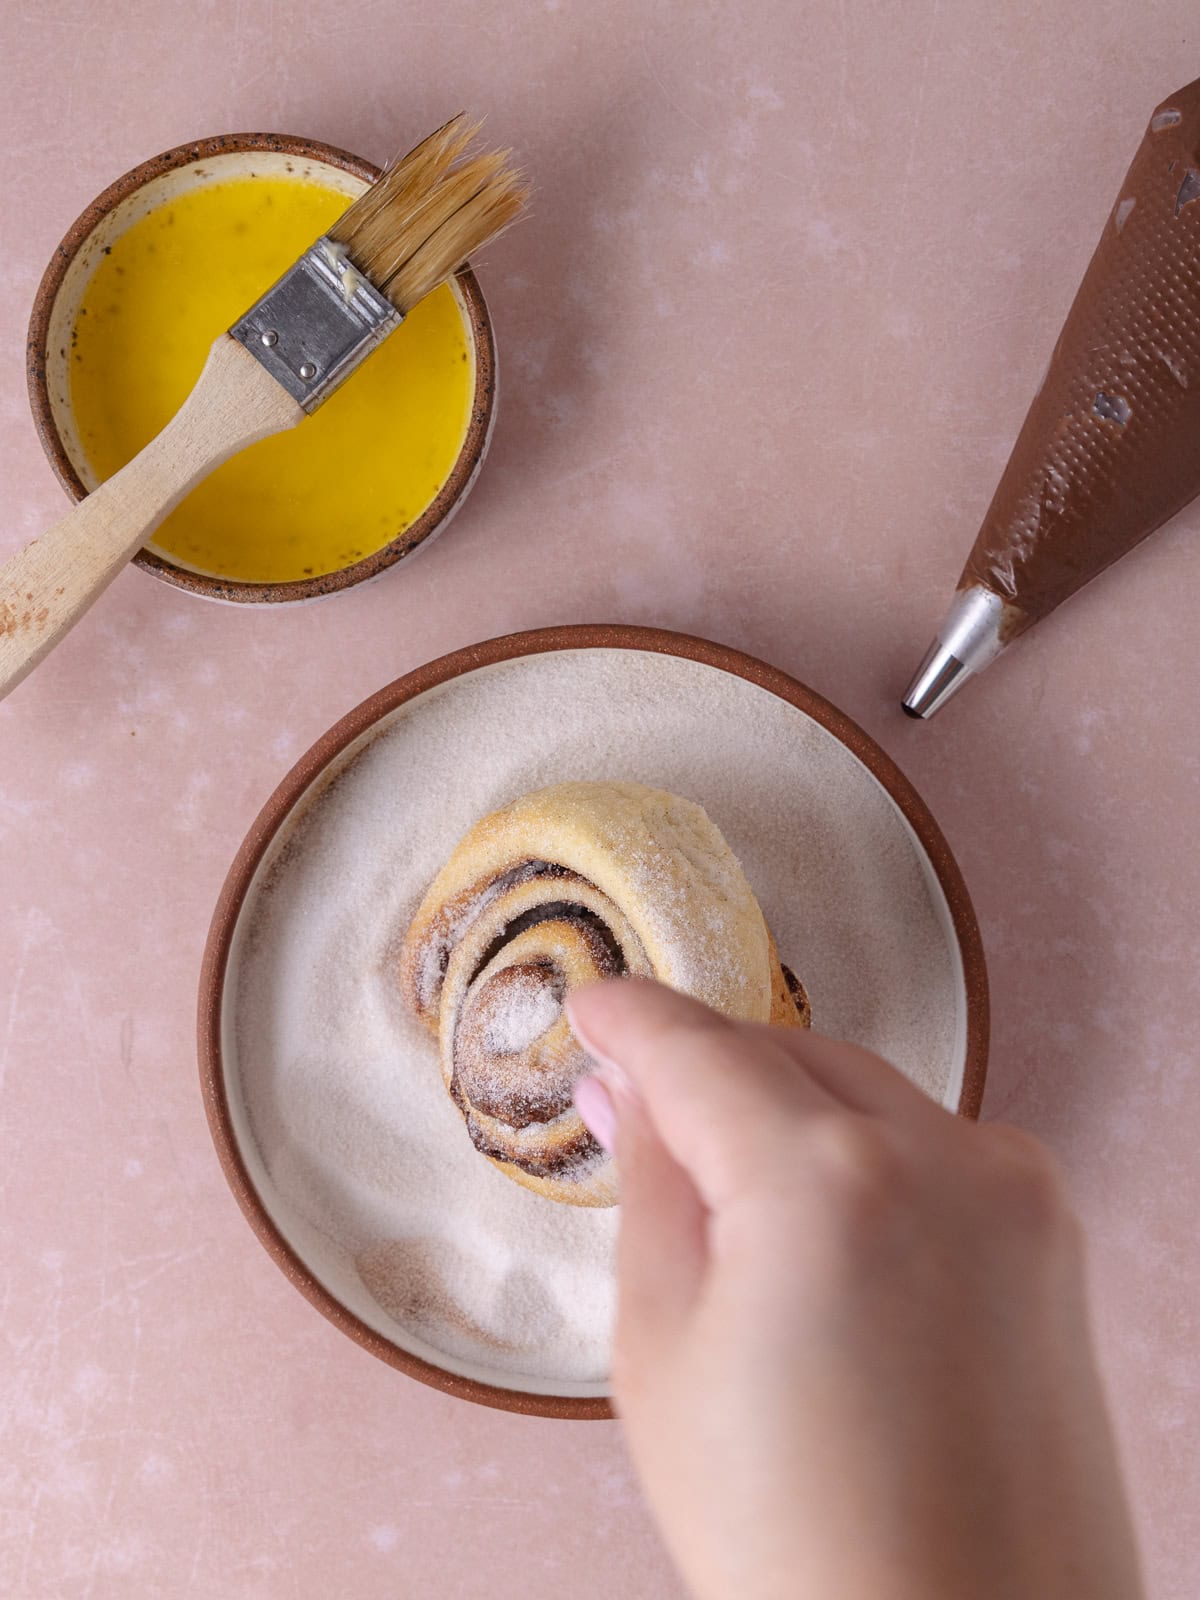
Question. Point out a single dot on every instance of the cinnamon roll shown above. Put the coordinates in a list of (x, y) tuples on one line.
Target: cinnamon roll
[(564, 886)]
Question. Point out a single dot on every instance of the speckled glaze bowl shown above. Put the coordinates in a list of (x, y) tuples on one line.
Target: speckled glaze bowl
[(221, 1073), (142, 190)]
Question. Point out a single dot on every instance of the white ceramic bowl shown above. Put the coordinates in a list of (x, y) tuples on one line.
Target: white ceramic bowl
[(854, 876)]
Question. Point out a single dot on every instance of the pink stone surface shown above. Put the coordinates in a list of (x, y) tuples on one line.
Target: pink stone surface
[(790, 281)]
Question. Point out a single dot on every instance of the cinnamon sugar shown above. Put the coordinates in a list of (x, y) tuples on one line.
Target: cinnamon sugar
[(353, 1141)]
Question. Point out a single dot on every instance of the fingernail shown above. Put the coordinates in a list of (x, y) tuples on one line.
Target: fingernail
[(594, 1105)]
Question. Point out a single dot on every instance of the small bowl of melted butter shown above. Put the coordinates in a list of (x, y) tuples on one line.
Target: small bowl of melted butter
[(153, 271)]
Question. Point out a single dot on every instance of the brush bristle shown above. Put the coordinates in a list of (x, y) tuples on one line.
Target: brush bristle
[(429, 211)]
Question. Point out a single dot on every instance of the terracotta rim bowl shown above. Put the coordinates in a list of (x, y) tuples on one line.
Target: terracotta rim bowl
[(310, 766), (126, 201)]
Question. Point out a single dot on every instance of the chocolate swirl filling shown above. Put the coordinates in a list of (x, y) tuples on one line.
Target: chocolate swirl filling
[(504, 957)]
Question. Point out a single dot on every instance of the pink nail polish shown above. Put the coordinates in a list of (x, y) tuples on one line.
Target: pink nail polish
[(594, 1105)]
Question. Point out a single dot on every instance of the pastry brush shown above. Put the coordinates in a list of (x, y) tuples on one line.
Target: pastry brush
[(396, 243)]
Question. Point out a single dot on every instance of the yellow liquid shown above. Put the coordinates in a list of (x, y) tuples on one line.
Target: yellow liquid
[(338, 487)]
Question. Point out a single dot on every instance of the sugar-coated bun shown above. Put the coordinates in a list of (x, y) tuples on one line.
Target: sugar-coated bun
[(565, 886)]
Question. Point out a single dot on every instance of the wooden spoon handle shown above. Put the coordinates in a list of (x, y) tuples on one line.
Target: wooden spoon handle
[(46, 588)]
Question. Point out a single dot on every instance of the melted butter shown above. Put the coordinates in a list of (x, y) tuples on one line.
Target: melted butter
[(350, 477)]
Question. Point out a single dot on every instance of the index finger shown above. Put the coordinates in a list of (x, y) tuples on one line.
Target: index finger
[(859, 1079), (722, 1098)]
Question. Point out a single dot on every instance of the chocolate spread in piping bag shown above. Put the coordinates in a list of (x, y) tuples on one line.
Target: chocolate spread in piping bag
[(1110, 448)]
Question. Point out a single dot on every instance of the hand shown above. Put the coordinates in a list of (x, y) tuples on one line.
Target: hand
[(852, 1353)]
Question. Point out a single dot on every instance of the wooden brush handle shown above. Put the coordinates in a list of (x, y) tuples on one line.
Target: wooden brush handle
[(46, 588)]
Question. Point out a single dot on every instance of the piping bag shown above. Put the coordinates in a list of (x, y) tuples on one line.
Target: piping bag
[(1110, 448)]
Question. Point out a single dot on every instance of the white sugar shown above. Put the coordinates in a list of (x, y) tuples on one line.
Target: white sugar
[(365, 1162), (527, 1010)]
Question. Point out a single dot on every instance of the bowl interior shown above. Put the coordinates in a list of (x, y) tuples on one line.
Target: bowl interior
[(855, 901), (203, 169), (148, 197)]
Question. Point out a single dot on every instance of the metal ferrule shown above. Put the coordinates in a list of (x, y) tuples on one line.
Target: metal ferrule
[(970, 636), (314, 327)]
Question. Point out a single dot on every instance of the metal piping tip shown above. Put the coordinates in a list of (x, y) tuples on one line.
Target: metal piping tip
[(967, 640), (938, 676)]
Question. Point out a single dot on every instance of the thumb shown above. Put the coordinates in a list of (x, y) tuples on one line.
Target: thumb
[(661, 1250)]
